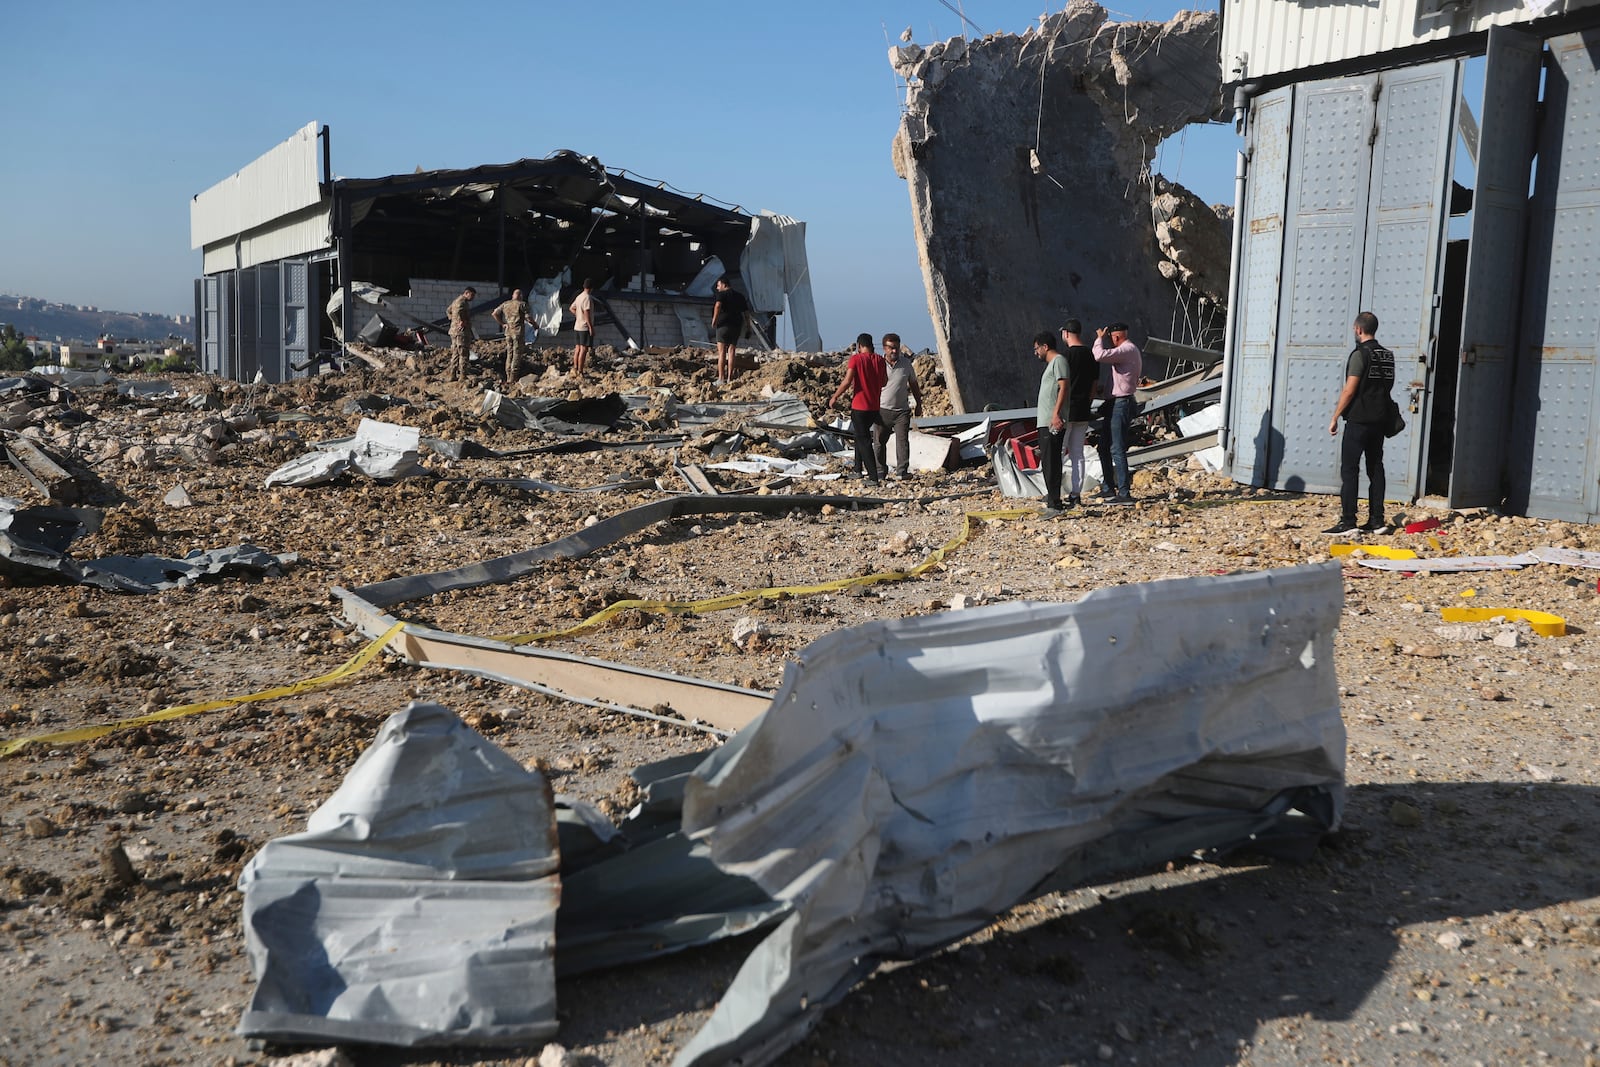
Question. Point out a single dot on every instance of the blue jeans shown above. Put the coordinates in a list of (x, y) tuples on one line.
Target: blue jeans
[(1116, 430)]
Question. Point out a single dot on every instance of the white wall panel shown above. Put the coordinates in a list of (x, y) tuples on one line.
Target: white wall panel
[(1281, 35), (281, 182)]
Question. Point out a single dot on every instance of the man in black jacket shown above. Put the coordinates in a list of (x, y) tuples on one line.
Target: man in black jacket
[(1364, 404)]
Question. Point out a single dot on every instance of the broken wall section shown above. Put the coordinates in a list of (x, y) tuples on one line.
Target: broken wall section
[(1009, 246)]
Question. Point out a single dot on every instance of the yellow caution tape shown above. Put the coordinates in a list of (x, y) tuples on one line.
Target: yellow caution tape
[(746, 596), (1542, 621), (1381, 551), (1469, 592), (309, 685)]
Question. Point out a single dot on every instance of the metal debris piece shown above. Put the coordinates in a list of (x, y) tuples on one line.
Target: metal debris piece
[(418, 907)]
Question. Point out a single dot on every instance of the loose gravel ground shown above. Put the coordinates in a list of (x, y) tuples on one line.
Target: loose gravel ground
[(1454, 919)]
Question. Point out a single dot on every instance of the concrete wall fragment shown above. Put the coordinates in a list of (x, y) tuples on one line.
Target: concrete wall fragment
[(1008, 247)]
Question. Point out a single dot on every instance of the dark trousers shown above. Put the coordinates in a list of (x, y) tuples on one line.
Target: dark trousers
[(861, 424), (1050, 459), (896, 421), (1361, 440)]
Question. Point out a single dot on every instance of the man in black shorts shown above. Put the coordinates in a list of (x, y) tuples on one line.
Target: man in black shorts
[(727, 323)]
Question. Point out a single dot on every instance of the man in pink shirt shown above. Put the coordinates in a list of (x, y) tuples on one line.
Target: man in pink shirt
[(1112, 348)]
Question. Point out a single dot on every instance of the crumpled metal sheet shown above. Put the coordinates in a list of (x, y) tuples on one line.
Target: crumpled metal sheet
[(380, 450), (418, 907), (913, 779), (34, 543), (555, 414)]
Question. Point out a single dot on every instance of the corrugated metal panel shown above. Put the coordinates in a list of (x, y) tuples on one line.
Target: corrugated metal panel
[(1557, 384), (269, 324), (303, 233), (1260, 262), (1277, 36), (1494, 269), (281, 182), (244, 334)]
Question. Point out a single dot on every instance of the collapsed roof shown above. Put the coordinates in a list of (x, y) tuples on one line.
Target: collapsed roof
[(533, 218)]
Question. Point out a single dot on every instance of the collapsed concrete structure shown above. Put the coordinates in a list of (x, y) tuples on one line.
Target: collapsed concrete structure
[(297, 260), (1028, 162)]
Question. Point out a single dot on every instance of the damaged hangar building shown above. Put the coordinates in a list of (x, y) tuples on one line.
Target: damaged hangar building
[(292, 253), (1432, 161), (1369, 182)]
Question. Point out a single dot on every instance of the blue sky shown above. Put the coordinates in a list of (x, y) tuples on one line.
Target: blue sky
[(116, 114)]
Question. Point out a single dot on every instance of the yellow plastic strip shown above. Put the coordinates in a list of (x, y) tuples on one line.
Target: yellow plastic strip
[(1381, 551), (1542, 622), (746, 596), (308, 685)]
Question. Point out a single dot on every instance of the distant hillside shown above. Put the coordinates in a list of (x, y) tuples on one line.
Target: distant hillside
[(68, 322)]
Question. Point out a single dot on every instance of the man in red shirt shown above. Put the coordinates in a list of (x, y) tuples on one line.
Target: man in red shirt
[(863, 380)]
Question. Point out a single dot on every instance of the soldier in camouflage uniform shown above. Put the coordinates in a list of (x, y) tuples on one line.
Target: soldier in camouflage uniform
[(461, 336), (513, 316)]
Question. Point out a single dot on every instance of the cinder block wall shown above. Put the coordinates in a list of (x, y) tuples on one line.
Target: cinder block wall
[(429, 297)]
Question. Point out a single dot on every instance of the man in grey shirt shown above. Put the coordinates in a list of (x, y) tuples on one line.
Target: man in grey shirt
[(894, 407)]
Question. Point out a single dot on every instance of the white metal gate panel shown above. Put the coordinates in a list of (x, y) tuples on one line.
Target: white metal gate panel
[(210, 335), (295, 287), (1556, 390), (1490, 312), (1400, 281), (1256, 295), (1330, 163)]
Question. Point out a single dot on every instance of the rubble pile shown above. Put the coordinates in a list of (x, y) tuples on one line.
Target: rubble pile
[(1470, 766)]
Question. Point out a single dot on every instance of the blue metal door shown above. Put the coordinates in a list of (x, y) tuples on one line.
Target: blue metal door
[(1490, 311), (1556, 465), (1401, 279), (1325, 241), (1255, 293)]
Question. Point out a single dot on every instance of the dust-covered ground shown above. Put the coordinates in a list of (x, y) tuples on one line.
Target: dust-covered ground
[(1454, 919)]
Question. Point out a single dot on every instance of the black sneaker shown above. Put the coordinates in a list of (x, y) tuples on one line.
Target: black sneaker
[(1342, 529), (1051, 511), (1121, 498), (1074, 501)]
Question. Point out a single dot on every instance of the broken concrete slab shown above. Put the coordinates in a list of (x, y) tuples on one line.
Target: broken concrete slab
[(43, 471), (1028, 212)]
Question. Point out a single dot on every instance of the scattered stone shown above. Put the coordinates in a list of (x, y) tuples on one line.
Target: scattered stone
[(131, 802), (1461, 632), (1451, 940), (322, 1057), (116, 866), (1490, 694), (37, 826), (554, 1055), (747, 632), (178, 497), (1405, 815), (1508, 639)]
